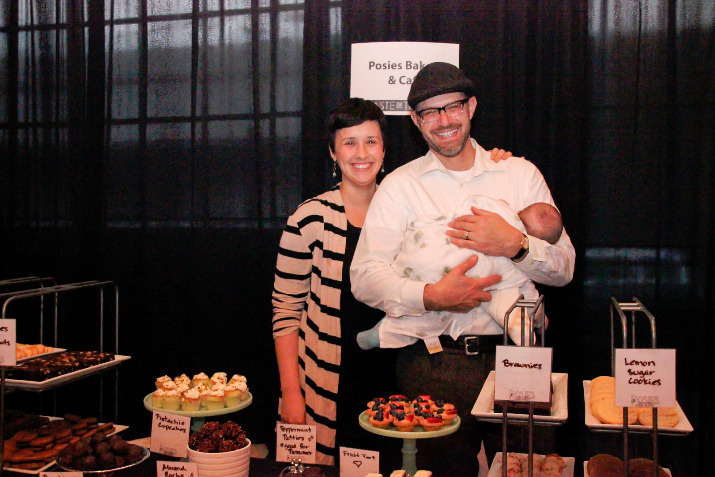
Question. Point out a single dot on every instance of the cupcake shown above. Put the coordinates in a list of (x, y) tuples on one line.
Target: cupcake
[(161, 380), (172, 400), (237, 378), (232, 395), (203, 393), (157, 398), (243, 387), (217, 378), (215, 400), (181, 388), (191, 400), (168, 385), (200, 378), (182, 380)]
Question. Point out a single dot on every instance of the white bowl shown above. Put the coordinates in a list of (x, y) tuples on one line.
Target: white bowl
[(238, 455), (231, 467)]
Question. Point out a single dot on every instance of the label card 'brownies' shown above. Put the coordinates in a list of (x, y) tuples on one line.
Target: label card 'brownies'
[(522, 374)]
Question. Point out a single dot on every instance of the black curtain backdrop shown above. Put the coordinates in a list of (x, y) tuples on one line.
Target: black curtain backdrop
[(162, 147)]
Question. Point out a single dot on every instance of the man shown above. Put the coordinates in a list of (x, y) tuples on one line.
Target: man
[(454, 168)]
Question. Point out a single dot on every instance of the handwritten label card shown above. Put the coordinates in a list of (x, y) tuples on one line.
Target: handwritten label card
[(522, 374), (61, 474), (176, 469), (295, 441), (645, 377), (170, 434), (358, 462), (8, 356)]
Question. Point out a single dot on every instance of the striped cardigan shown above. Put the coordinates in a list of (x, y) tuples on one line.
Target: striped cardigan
[(306, 297)]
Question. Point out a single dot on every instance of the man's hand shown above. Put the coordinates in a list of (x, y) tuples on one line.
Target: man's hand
[(293, 407), (489, 233), (456, 291), (497, 155)]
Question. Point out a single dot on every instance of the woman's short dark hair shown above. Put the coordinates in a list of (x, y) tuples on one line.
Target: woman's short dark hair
[(352, 112)]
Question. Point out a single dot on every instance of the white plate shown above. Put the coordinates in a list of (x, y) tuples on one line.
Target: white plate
[(495, 469), (484, 407), (117, 428), (683, 426), (585, 472), (200, 412), (56, 381)]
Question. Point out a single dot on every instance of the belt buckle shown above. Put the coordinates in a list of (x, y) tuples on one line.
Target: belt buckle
[(467, 339)]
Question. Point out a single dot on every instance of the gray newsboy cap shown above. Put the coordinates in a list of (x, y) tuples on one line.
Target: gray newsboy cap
[(435, 79)]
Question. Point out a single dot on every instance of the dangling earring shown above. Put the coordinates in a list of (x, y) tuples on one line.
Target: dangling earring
[(382, 169), (335, 174)]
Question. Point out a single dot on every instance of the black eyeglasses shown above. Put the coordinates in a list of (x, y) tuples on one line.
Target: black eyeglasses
[(451, 109)]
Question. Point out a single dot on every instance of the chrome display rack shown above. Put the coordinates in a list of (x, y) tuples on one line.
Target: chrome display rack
[(43, 288), (532, 312), (624, 316)]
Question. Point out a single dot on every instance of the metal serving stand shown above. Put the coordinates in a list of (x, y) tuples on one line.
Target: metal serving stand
[(626, 314), (42, 288)]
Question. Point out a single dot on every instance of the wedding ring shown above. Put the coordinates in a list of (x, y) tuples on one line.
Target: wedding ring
[(466, 237)]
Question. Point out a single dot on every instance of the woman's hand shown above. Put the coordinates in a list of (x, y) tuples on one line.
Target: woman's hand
[(293, 407), (497, 155)]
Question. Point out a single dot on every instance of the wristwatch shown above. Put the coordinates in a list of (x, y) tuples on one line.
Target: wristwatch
[(523, 251)]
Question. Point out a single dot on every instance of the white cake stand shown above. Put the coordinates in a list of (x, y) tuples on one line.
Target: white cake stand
[(409, 439), (198, 418)]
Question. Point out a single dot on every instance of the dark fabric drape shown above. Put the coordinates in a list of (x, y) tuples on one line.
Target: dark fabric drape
[(162, 145)]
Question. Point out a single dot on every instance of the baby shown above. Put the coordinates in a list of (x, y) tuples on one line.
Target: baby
[(427, 255)]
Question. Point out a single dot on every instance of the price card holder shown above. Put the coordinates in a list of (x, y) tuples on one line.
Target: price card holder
[(645, 377), (295, 441), (358, 462), (8, 342), (523, 376), (170, 434)]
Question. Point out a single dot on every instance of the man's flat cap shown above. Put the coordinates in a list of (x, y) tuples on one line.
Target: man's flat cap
[(435, 79)]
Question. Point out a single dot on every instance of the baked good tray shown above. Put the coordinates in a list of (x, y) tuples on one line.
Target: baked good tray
[(586, 474), (201, 412), (47, 353), (681, 428), (484, 407), (117, 428), (51, 383), (495, 469), (417, 433)]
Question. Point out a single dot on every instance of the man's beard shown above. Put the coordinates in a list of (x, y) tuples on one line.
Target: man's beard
[(447, 151)]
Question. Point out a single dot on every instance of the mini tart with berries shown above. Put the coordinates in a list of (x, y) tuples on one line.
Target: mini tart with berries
[(443, 405), (375, 408), (447, 415), (399, 399), (430, 422), (424, 399), (404, 422), (382, 419), (376, 400)]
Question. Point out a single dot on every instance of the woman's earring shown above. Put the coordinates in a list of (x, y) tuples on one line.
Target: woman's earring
[(382, 169), (335, 173)]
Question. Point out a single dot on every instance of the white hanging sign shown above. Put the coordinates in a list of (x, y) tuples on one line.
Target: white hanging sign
[(522, 374), (383, 71)]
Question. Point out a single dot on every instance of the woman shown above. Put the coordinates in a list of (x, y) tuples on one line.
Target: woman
[(315, 316)]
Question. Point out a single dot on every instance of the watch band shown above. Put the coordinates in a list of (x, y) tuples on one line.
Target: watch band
[(523, 252)]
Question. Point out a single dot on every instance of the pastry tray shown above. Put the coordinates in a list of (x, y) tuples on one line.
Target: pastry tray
[(46, 353), (417, 433), (117, 428), (585, 471), (683, 427), (484, 407), (64, 378), (496, 471), (201, 412)]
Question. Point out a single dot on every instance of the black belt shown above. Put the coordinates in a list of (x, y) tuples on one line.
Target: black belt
[(472, 344)]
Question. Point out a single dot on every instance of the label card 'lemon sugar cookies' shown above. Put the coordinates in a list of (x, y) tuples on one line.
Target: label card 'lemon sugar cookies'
[(645, 378)]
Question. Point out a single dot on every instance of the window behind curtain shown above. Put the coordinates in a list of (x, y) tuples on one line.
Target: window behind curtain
[(202, 103)]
